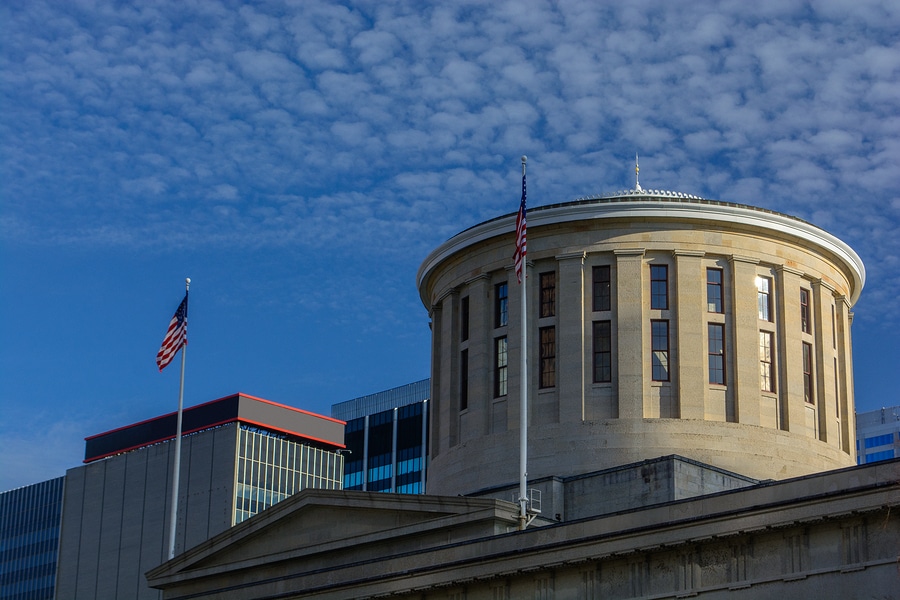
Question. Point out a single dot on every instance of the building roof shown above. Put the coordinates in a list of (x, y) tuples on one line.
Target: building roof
[(652, 204), (236, 408), (339, 544)]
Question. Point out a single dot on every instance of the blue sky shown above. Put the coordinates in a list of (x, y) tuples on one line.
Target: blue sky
[(298, 160)]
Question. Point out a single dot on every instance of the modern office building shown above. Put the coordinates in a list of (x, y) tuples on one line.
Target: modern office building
[(878, 435), (658, 323), (387, 439), (29, 540), (240, 455)]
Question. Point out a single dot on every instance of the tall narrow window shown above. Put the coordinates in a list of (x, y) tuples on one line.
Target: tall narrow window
[(548, 357), (464, 319), (764, 298), (833, 329), (602, 352), (714, 290), (659, 287), (548, 294), (464, 379), (716, 336), (501, 363), (602, 288), (659, 333), (501, 305), (766, 362), (808, 394), (805, 323)]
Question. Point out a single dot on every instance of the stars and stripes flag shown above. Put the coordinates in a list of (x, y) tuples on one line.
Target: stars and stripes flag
[(519, 255), (176, 336)]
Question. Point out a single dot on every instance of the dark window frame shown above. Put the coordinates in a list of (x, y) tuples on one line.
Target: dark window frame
[(715, 335), (805, 311), (501, 304), (547, 376), (660, 350), (764, 298), (602, 288), (659, 287), (767, 381), (809, 392), (602, 350), (548, 294), (464, 379), (715, 299), (501, 367), (464, 318)]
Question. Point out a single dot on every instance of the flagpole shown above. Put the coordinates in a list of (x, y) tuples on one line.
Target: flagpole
[(523, 370), (173, 514)]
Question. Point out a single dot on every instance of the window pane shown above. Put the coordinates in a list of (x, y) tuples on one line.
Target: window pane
[(501, 305), (464, 380), (659, 287), (764, 298), (548, 357), (716, 336), (500, 367), (805, 323), (714, 290), (602, 288), (548, 294), (660, 350), (602, 352), (807, 373), (464, 318), (766, 360)]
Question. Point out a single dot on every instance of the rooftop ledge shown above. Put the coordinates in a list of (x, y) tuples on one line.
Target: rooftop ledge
[(651, 203)]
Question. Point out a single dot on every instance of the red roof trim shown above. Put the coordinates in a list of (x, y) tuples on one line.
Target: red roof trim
[(211, 426), (228, 397)]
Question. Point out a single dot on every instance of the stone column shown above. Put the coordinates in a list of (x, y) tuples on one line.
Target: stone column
[(843, 321), (630, 335), (481, 392), (790, 350), (449, 366), (745, 333), (437, 401), (571, 334), (825, 353), (690, 307)]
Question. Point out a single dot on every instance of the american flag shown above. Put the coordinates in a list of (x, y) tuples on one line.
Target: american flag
[(519, 255), (176, 336)]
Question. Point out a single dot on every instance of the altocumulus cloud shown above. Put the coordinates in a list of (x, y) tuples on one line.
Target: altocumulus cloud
[(399, 107)]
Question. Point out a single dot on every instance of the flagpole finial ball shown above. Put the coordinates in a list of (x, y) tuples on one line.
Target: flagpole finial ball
[(187, 281), (524, 158)]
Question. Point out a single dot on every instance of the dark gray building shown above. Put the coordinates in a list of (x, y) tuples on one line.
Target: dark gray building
[(240, 455)]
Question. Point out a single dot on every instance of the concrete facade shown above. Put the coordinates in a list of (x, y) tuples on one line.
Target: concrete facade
[(655, 401), (115, 510), (832, 535)]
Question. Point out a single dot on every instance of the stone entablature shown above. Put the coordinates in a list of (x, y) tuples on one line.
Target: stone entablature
[(659, 396), (833, 535)]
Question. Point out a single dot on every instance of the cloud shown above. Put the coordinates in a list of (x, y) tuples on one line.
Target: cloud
[(401, 106)]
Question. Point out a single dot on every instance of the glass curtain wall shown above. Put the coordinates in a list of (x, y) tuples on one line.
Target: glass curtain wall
[(272, 467), (29, 540)]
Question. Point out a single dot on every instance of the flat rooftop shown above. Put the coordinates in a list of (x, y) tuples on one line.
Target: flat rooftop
[(310, 428)]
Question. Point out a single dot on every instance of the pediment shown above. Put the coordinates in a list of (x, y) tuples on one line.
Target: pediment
[(317, 526)]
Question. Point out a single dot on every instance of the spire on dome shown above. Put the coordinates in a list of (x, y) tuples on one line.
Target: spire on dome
[(637, 170)]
